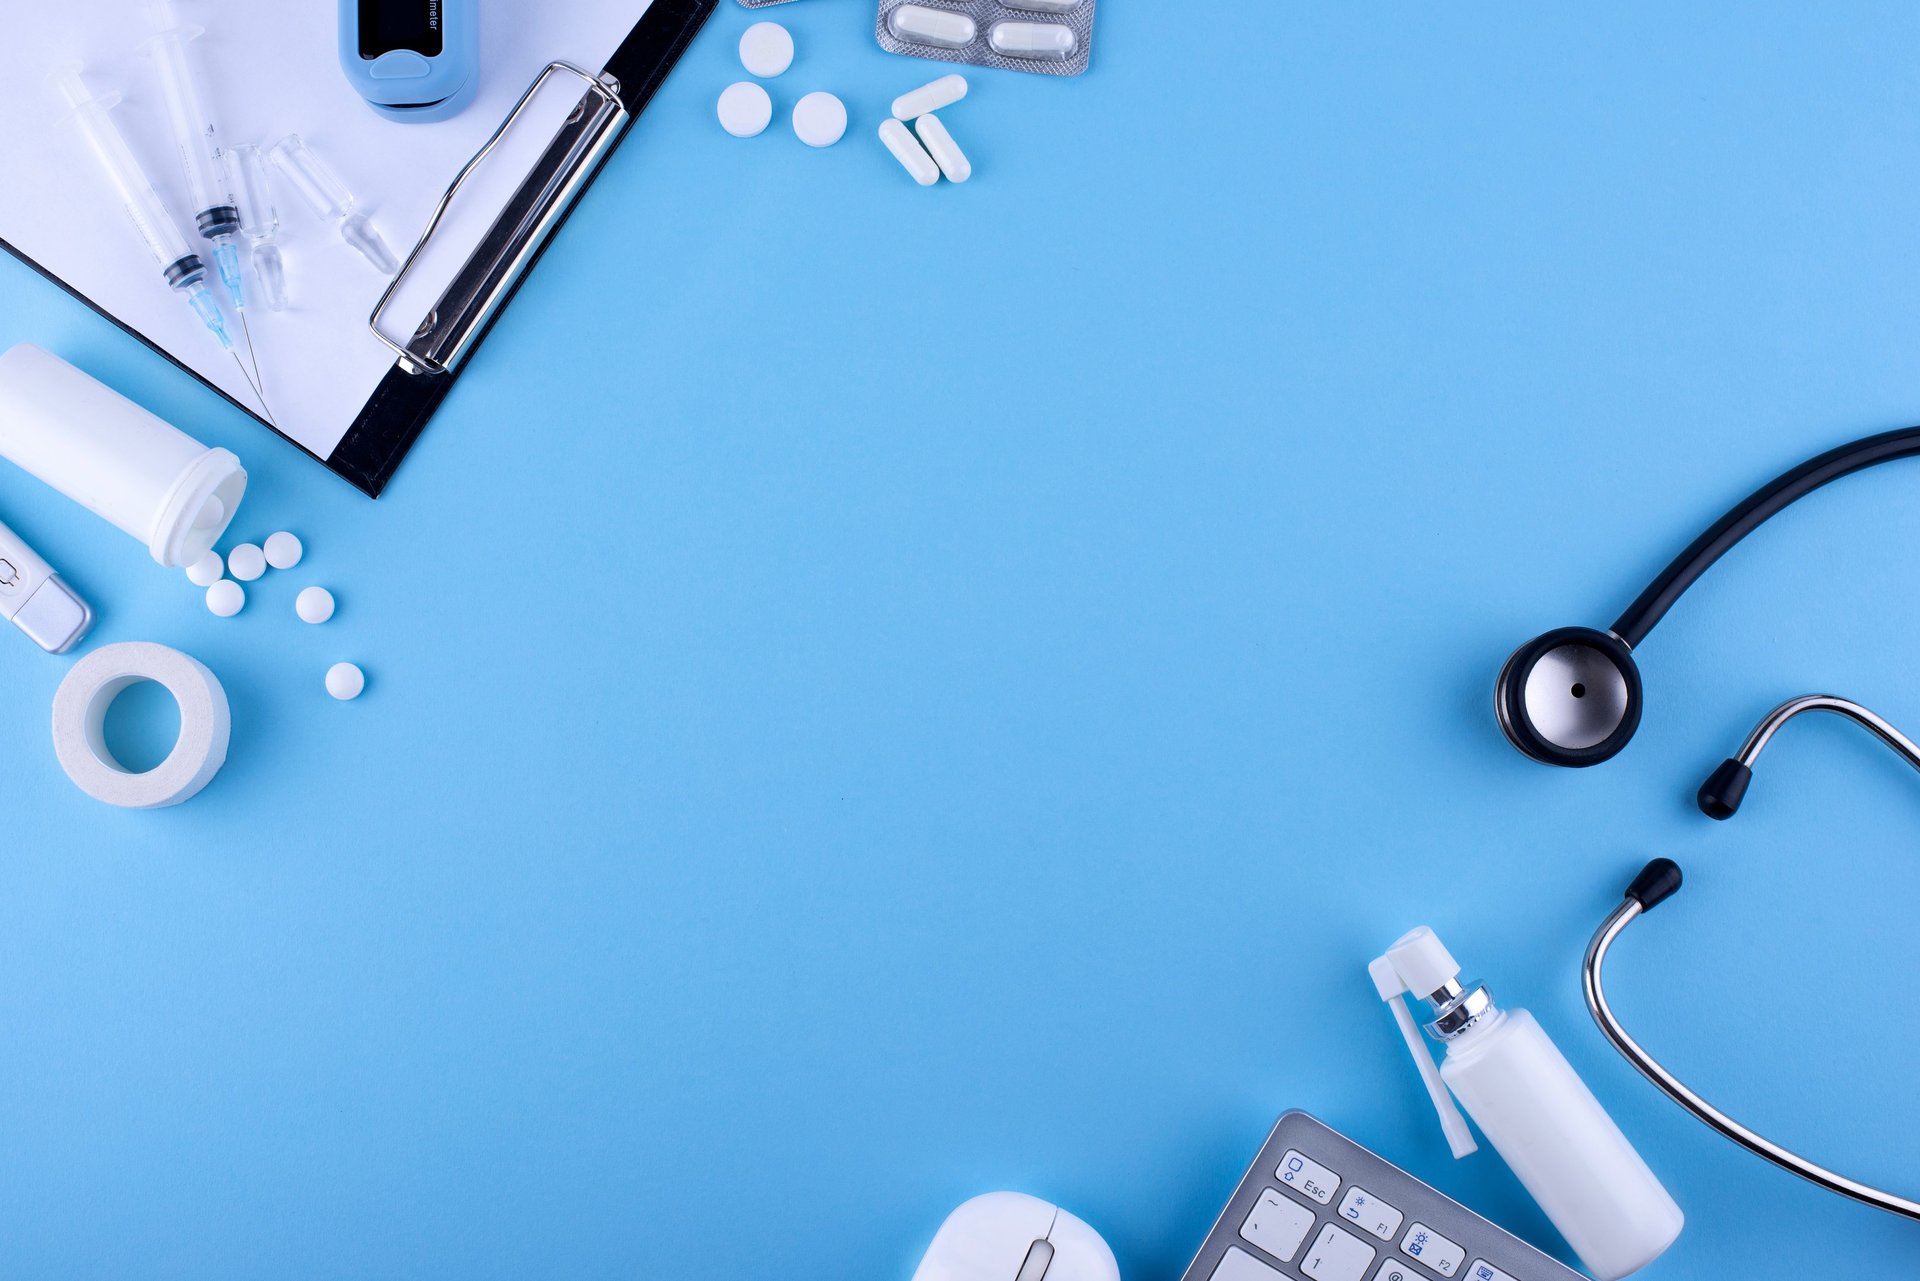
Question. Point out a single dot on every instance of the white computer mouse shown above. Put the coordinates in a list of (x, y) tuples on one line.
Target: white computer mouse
[(1009, 1236)]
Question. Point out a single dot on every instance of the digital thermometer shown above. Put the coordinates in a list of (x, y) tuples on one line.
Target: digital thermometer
[(34, 599), (411, 59)]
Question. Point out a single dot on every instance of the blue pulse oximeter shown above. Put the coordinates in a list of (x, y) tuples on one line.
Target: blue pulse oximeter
[(411, 59)]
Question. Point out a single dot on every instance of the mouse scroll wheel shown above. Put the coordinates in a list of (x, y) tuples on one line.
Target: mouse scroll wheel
[(1039, 1258)]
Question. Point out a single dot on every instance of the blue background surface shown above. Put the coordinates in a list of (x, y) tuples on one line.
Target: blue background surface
[(881, 694)]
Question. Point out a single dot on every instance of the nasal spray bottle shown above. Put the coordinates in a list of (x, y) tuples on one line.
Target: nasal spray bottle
[(1538, 1114)]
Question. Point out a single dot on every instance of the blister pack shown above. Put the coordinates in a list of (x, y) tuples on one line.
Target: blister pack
[(1048, 37), (761, 4)]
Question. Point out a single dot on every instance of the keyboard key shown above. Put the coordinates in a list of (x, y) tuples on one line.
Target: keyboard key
[(1397, 1270), (1484, 1271), (1278, 1225), (1370, 1212), (1237, 1265), (1337, 1256), (1308, 1177), (1426, 1246)]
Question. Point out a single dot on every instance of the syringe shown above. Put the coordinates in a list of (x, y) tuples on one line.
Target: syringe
[(179, 266), (215, 212)]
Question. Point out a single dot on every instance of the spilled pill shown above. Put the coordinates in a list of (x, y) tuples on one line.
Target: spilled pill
[(1038, 40), (766, 49), (226, 597), (283, 550), (246, 562), (918, 24), (745, 109), (820, 119), (932, 96), (345, 681), (314, 605), (206, 571), (908, 151), (945, 151)]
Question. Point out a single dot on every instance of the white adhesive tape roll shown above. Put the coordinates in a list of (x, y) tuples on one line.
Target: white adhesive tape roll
[(80, 712)]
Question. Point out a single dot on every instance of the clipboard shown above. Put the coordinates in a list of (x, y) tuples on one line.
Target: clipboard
[(490, 220)]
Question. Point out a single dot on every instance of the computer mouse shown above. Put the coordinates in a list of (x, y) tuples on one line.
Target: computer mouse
[(1009, 1236)]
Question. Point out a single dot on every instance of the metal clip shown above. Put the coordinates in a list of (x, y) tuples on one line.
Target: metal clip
[(481, 285)]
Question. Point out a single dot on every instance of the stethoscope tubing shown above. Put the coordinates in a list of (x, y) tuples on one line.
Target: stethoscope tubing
[(1903, 747), (1670, 1085), (1749, 514)]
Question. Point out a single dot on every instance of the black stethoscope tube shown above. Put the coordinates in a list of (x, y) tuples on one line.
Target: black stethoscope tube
[(1572, 696), (1747, 516)]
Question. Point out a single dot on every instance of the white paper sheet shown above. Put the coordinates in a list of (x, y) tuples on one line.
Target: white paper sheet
[(272, 69)]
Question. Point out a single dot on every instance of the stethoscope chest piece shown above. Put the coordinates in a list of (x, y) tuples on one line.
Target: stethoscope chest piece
[(1570, 697)]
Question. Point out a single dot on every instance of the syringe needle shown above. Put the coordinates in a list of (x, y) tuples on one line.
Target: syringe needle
[(259, 384), (246, 378)]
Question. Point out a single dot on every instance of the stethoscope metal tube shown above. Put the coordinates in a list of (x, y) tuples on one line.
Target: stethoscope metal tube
[(1658, 880), (1721, 794)]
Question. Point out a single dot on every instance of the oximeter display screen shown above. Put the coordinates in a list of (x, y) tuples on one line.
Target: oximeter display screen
[(386, 25)]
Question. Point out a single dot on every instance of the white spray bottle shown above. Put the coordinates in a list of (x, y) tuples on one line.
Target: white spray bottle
[(1535, 1110)]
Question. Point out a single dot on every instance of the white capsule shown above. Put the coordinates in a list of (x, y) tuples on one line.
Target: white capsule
[(820, 119), (345, 681), (246, 562), (225, 598), (313, 604), (945, 151), (766, 49), (1047, 41), (908, 151), (917, 24), (932, 96), (206, 571), (1043, 6), (283, 550)]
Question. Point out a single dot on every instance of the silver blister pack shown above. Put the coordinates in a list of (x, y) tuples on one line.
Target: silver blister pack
[(761, 4), (1047, 37)]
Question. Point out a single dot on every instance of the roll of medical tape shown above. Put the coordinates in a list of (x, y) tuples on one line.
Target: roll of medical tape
[(80, 712)]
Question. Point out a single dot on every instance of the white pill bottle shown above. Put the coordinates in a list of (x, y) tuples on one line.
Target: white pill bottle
[(114, 458), (1536, 1111)]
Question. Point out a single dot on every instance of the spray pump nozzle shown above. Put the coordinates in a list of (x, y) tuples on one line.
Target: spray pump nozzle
[(1421, 965)]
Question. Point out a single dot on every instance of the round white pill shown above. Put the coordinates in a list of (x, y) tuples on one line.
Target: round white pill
[(314, 605), (820, 119), (345, 681), (226, 597), (206, 571), (766, 49), (246, 562), (745, 109), (284, 550)]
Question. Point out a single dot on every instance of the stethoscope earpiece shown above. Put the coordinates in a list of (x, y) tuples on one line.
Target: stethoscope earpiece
[(1720, 796), (1570, 697)]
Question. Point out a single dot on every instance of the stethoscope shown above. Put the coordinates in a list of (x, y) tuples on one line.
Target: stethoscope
[(1572, 696), (1720, 798)]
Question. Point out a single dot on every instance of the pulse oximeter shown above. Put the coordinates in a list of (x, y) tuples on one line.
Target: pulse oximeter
[(411, 59)]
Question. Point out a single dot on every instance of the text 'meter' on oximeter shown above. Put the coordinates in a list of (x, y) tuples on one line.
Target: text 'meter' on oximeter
[(412, 60)]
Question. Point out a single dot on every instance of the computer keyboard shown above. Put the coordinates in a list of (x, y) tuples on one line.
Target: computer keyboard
[(1315, 1204)]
